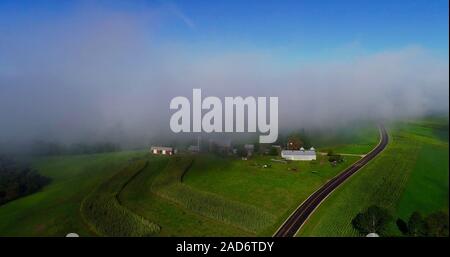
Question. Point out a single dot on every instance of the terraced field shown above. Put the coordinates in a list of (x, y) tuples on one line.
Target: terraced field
[(244, 216), (104, 213), (149, 195), (411, 174)]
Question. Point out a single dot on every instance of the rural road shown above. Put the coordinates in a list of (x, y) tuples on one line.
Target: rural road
[(301, 214)]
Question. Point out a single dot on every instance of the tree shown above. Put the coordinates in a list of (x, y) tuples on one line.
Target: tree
[(257, 147), (335, 158), (273, 151), (436, 224), (241, 152), (416, 225), (374, 220), (294, 142), (17, 179), (402, 226)]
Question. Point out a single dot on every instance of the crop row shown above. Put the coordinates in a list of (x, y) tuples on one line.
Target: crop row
[(104, 213)]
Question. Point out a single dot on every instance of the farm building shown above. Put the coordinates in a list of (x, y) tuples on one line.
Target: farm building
[(249, 148), (299, 155), (162, 150)]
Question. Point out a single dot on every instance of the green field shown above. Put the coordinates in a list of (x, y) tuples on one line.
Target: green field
[(105, 214), (55, 211), (276, 190), (138, 194), (227, 192), (355, 138), (410, 175), (174, 220)]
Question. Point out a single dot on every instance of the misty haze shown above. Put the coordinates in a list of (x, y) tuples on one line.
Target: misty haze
[(108, 74), (246, 121)]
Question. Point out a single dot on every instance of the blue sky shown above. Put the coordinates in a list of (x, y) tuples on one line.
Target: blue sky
[(65, 65), (289, 30)]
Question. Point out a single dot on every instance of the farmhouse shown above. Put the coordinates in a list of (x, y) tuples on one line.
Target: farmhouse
[(162, 150), (299, 155)]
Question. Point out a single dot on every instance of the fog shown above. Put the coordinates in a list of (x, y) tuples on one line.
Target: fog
[(107, 75)]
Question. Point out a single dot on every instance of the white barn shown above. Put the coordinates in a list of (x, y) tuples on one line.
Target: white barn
[(162, 150), (299, 155)]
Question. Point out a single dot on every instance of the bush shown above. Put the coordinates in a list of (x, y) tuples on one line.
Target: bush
[(335, 158), (273, 151)]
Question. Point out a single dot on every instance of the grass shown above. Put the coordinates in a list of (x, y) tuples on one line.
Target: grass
[(104, 213), (169, 185), (220, 196), (174, 219), (276, 190), (55, 210), (355, 138), (411, 174), (427, 188)]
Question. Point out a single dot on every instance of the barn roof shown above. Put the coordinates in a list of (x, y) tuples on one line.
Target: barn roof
[(161, 148), (296, 152)]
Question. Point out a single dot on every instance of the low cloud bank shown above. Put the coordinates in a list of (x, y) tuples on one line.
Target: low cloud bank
[(109, 78)]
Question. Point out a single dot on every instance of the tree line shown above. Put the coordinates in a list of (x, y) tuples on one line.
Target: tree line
[(17, 180), (377, 220), (54, 148)]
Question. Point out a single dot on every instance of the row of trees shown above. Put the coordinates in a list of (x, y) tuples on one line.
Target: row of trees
[(17, 180), (377, 220), (434, 224), (52, 148)]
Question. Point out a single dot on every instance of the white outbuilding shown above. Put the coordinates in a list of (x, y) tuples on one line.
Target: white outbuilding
[(299, 155)]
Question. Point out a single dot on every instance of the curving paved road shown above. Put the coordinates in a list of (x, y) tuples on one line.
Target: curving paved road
[(301, 214)]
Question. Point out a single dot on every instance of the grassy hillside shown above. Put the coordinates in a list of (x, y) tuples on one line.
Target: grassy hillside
[(173, 219), (277, 189), (244, 216), (158, 193), (55, 210), (411, 174), (104, 213)]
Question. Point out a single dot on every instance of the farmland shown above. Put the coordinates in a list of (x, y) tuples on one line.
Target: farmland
[(410, 175), (144, 199), (231, 194), (276, 190), (104, 213), (55, 210), (137, 194)]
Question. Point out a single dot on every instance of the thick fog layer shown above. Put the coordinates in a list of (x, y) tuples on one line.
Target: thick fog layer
[(109, 75)]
